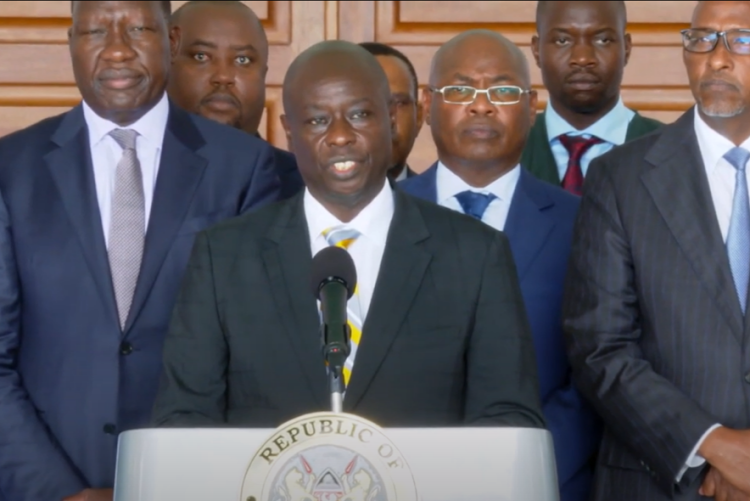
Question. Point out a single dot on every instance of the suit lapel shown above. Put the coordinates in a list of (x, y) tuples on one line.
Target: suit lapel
[(401, 271), (537, 156), (679, 188), (527, 226), (288, 261), (71, 168), (180, 171)]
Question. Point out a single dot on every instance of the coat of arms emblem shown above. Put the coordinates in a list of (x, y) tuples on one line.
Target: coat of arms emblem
[(328, 457)]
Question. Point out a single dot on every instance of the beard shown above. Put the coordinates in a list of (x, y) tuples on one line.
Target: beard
[(721, 109)]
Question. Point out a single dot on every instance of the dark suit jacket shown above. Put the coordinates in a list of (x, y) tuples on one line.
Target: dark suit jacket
[(288, 172), (540, 228), (654, 328), (539, 160), (70, 379), (286, 168), (445, 341)]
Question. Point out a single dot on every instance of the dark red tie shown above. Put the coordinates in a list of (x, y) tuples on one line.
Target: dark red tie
[(576, 146)]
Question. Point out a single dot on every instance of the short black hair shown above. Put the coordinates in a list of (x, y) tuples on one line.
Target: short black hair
[(541, 5), (381, 49), (166, 8), (176, 14)]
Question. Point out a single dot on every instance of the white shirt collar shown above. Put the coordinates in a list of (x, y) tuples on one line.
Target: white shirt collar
[(150, 127), (449, 184), (612, 127), (373, 222), (713, 146)]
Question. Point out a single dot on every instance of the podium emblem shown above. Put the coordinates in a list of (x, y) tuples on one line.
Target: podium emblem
[(328, 457)]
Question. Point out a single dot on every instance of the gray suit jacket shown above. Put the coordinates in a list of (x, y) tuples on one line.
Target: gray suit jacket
[(654, 328)]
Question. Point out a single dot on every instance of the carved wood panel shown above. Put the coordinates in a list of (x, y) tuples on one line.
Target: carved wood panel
[(36, 80)]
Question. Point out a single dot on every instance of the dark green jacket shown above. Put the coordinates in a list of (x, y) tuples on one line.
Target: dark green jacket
[(538, 158)]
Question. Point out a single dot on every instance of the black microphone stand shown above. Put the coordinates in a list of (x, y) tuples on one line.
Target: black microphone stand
[(335, 356)]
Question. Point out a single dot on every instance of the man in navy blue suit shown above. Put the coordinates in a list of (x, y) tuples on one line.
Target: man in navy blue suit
[(98, 212), (480, 108), (219, 67)]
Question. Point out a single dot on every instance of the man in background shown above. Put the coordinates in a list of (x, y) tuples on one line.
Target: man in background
[(480, 107), (582, 49), (402, 79), (99, 207), (656, 306), (219, 65)]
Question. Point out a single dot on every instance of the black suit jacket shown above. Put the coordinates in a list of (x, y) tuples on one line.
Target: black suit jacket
[(70, 378), (288, 172), (445, 341), (654, 328)]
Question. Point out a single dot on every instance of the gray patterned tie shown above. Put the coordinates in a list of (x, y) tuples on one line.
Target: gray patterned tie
[(127, 226)]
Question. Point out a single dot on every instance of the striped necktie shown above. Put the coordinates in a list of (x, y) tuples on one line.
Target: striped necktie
[(343, 236)]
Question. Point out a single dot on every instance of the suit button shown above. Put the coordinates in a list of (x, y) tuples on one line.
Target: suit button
[(126, 348), (109, 429), (747, 378)]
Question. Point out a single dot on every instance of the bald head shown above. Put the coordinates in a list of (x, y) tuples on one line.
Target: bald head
[(331, 60), (478, 43), (219, 63), (197, 12), (339, 123)]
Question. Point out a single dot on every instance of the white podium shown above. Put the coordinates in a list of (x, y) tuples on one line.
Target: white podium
[(446, 464)]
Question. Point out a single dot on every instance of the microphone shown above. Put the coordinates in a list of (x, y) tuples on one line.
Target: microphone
[(334, 278)]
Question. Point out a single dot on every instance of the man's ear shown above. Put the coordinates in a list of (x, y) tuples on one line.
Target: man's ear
[(174, 40), (287, 133)]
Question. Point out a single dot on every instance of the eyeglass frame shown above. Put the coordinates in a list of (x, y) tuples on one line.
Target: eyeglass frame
[(477, 92), (719, 35)]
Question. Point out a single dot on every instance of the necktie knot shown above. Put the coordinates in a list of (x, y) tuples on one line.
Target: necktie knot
[(474, 204), (738, 158), (577, 146), (125, 138), (341, 236)]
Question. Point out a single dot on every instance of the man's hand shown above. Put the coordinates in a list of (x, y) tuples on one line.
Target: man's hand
[(728, 451), (714, 486), (92, 495)]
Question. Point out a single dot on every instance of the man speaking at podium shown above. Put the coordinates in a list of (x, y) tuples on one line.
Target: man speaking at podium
[(445, 339)]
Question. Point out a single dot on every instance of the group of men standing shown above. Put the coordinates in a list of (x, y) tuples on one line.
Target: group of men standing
[(155, 251)]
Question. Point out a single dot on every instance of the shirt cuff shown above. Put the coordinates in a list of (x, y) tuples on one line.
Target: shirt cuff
[(695, 460)]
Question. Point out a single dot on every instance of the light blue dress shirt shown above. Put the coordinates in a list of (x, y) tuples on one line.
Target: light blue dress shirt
[(612, 129)]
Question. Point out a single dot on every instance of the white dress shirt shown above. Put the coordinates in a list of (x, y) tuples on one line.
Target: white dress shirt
[(721, 182), (449, 185), (373, 223), (106, 154), (612, 129)]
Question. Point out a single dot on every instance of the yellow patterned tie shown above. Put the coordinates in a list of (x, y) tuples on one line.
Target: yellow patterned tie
[(343, 236)]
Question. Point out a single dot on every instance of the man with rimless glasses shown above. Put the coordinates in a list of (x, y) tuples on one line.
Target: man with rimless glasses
[(480, 107), (656, 307)]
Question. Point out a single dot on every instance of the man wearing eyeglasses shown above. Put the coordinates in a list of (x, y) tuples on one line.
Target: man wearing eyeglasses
[(480, 108), (582, 49), (656, 313)]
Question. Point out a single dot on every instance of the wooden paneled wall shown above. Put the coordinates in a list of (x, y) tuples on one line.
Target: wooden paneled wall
[(36, 80)]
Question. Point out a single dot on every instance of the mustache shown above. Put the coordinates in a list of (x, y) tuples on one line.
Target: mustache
[(583, 76), (113, 73), (719, 81), (221, 96)]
